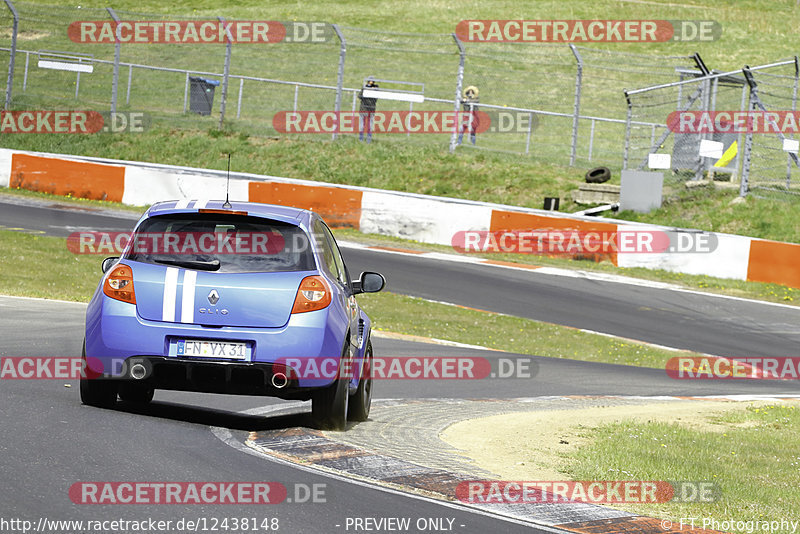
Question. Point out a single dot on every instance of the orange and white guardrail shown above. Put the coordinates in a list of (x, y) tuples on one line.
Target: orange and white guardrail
[(422, 218)]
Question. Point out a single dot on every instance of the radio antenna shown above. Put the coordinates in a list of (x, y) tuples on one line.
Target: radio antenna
[(227, 204)]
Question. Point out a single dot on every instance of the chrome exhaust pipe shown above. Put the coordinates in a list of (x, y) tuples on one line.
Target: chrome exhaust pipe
[(279, 380), (138, 371)]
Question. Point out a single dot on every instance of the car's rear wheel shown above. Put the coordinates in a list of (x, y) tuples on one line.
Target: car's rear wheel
[(360, 404), (329, 406), (136, 393), (94, 391)]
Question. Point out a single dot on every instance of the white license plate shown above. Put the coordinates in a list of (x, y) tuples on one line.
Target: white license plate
[(212, 349)]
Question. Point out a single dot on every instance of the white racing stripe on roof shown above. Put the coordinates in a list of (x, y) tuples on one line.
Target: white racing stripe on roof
[(201, 204), (170, 290), (187, 302), (182, 204)]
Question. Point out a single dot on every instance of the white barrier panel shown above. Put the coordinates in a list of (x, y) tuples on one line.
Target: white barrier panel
[(145, 186), (728, 259), (5, 166), (420, 219)]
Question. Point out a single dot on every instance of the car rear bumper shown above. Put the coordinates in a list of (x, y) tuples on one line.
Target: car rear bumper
[(115, 334), (232, 378)]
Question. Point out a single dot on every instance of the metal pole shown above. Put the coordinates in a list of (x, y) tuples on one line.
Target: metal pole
[(702, 163), (459, 83), (530, 127), (226, 71), (128, 93), (337, 106), (744, 185), (794, 108), (294, 106), (115, 79), (577, 106), (740, 139), (186, 93), (13, 53), (25, 76), (628, 118), (239, 100)]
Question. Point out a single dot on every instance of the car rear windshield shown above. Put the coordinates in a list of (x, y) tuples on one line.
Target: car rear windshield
[(222, 243)]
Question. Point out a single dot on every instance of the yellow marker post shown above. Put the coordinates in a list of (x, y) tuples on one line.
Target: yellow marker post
[(727, 156)]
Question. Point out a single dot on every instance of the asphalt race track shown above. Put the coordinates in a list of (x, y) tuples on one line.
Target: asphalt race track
[(694, 321), (51, 441)]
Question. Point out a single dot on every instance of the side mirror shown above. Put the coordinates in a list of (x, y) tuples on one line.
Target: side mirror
[(108, 263), (369, 282)]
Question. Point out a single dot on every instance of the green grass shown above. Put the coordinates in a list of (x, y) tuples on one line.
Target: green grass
[(24, 271), (753, 459), (41, 266)]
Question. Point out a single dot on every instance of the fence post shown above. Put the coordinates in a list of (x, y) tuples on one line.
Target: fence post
[(130, 78), (25, 74), (13, 54), (186, 92), (628, 118), (744, 185), (794, 108), (239, 100), (740, 139), (226, 72), (115, 79), (702, 162), (577, 106), (459, 83), (337, 106)]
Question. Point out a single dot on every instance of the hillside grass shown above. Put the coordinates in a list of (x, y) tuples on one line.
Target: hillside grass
[(754, 32)]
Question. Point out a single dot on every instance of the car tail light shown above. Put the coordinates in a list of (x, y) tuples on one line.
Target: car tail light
[(119, 284), (313, 294)]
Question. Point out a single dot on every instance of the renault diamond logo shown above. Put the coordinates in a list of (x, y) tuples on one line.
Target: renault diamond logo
[(213, 297)]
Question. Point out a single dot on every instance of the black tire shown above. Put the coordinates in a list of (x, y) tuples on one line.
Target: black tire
[(329, 406), (95, 391), (136, 393), (598, 175), (361, 402)]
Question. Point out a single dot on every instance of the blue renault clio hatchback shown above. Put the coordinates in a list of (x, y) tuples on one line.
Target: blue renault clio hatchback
[(237, 298)]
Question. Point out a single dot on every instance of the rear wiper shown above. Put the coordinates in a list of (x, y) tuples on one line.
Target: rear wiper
[(193, 264)]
